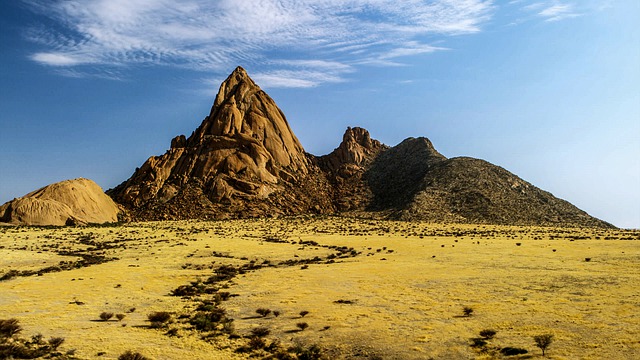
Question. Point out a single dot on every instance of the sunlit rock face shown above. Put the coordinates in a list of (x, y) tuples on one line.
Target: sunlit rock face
[(245, 161)]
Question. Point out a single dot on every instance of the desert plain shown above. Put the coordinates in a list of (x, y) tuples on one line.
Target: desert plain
[(371, 289)]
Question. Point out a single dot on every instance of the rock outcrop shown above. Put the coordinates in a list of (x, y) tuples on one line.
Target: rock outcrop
[(244, 161), (70, 202), (345, 167)]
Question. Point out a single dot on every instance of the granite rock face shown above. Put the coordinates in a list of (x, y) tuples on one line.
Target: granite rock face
[(234, 162), (69, 202)]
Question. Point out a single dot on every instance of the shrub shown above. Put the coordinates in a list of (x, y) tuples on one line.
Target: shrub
[(257, 343), (313, 352), (543, 341), (37, 339), (347, 302), (302, 325), (488, 334), (511, 351), (9, 327), (159, 318), (276, 313), (208, 321), (260, 332), (467, 311), (18, 351), (228, 327), (478, 342), (55, 342), (105, 316), (129, 355), (263, 312), (303, 313), (120, 316)]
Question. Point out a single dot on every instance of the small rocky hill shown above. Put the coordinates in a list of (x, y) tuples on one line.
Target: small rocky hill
[(244, 161), (69, 202)]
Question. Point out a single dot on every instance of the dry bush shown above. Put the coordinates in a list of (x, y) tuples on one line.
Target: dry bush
[(260, 332), (263, 312), (159, 318), (9, 327), (488, 334), (55, 342), (105, 316), (130, 355)]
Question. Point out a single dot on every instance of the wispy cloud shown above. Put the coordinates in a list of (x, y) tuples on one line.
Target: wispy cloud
[(558, 12), (293, 43), (553, 10)]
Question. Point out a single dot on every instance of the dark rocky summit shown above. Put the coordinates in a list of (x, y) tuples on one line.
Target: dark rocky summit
[(244, 161)]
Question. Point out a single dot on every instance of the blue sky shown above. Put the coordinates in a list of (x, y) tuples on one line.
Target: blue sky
[(548, 89)]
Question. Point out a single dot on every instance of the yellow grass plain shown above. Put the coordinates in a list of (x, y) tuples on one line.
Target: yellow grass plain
[(400, 297)]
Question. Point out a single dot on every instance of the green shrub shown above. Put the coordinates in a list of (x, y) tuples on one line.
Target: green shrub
[(302, 325), (303, 313), (209, 320), (467, 311)]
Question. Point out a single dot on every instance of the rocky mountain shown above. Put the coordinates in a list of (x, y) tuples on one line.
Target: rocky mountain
[(69, 202), (244, 161)]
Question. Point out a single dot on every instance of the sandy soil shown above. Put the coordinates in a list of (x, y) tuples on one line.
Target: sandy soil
[(376, 289)]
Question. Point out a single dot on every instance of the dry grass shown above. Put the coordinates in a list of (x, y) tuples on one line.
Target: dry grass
[(404, 301)]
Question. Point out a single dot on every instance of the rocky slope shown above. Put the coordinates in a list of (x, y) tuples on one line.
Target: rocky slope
[(70, 202), (244, 161)]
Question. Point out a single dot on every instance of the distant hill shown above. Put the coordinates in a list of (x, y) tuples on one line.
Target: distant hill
[(244, 161), (69, 202)]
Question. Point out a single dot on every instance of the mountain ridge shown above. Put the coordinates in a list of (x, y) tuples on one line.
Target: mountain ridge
[(245, 161)]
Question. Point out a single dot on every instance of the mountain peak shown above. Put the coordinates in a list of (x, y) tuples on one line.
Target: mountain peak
[(244, 161), (244, 149), (235, 87), (356, 150)]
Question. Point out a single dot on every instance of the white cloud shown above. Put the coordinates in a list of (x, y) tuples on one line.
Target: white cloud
[(557, 12), (411, 48), (56, 59), (554, 10), (322, 36)]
